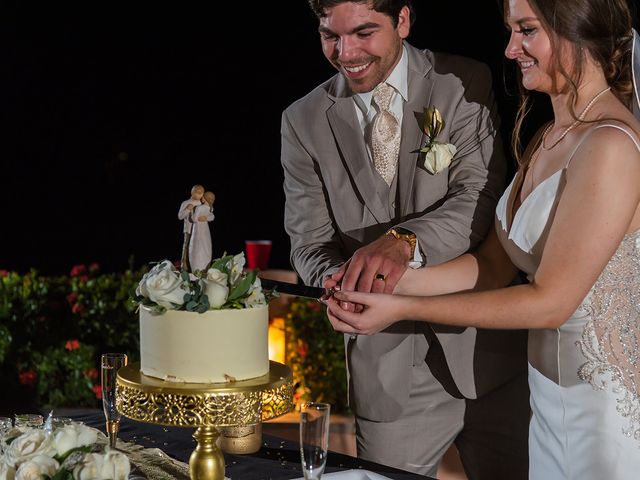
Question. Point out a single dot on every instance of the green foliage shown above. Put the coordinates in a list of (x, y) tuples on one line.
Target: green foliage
[(53, 330), (315, 353), (66, 374)]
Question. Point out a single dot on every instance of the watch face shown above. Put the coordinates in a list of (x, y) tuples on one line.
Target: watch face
[(403, 231)]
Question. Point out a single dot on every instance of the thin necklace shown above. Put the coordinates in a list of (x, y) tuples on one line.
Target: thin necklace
[(574, 124), (536, 154)]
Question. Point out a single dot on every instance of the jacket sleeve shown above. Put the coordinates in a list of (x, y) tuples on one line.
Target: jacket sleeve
[(476, 176), (315, 246)]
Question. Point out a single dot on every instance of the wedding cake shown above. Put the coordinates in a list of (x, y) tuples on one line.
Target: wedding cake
[(207, 329)]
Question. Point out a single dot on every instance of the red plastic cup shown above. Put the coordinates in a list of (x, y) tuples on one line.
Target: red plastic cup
[(258, 253)]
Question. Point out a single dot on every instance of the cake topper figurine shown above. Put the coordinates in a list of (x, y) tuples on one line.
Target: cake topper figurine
[(186, 207), (200, 250)]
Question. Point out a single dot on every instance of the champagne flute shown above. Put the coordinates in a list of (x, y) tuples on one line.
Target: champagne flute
[(314, 438), (111, 362)]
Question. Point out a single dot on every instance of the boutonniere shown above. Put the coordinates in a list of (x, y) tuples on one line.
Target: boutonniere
[(437, 156)]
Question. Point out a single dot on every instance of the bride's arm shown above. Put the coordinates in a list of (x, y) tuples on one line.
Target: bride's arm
[(598, 206), (487, 268)]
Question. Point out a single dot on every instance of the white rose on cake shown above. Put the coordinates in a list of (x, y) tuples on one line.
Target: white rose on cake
[(216, 287), (163, 285), (236, 267), (256, 297), (224, 284)]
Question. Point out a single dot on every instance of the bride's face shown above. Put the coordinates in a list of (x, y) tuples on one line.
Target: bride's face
[(530, 46)]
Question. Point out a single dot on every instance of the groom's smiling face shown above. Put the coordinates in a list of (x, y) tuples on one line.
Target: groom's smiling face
[(364, 45)]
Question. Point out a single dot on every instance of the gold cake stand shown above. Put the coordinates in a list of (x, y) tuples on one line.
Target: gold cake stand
[(205, 407)]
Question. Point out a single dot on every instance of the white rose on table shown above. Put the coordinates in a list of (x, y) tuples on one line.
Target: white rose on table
[(116, 466), (89, 467), (73, 436), (256, 297), (7, 472), (30, 444), (162, 285), (40, 466), (110, 466), (237, 266), (216, 287), (439, 157)]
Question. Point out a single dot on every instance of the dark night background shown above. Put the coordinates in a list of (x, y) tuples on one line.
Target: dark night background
[(110, 115)]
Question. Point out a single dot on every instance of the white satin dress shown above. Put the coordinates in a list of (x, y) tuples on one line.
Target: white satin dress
[(200, 248), (584, 376)]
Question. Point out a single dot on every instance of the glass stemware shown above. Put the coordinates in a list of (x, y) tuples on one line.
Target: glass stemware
[(314, 438), (111, 362)]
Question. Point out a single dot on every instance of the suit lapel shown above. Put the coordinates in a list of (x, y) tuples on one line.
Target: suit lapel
[(346, 131), (419, 90)]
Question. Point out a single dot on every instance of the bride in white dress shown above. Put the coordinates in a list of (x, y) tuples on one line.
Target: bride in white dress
[(570, 220), (200, 249)]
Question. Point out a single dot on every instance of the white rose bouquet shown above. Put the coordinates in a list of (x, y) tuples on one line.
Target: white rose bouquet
[(224, 284), (71, 452)]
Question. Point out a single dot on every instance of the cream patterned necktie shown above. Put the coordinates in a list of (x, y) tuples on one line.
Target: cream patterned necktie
[(385, 134)]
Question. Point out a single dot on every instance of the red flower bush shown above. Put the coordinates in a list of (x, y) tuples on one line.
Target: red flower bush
[(303, 348), (78, 270), (97, 391), (94, 268), (92, 373), (77, 309), (72, 345), (28, 378)]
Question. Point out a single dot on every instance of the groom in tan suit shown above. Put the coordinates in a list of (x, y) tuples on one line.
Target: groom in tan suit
[(362, 201)]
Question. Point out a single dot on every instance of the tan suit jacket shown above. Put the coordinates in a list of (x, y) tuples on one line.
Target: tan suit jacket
[(334, 206)]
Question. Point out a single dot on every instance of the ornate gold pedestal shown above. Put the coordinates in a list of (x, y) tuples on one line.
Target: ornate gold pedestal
[(205, 406)]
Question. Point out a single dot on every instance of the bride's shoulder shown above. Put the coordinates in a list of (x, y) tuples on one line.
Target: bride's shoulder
[(617, 133)]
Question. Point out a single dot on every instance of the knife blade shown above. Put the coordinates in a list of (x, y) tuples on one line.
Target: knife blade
[(306, 291)]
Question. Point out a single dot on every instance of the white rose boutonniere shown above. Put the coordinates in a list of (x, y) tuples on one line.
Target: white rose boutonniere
[(437, 155)]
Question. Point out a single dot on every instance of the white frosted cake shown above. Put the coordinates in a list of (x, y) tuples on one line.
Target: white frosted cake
[(211, 347)]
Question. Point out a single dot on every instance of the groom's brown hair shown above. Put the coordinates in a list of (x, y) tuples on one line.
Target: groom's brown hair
[(390, 8)]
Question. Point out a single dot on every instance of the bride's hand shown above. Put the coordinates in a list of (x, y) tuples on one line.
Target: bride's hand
[(407, 280), (379, 311)]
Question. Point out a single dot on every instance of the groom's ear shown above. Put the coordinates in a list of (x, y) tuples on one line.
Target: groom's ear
[(404, 22)]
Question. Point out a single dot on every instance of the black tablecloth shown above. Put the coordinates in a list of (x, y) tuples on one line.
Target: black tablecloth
[(278, 459)]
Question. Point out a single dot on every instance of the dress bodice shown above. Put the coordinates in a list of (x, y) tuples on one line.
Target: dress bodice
[(524, 236), (600, 343)]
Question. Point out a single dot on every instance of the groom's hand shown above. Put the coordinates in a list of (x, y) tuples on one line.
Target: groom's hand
[(376, 267)]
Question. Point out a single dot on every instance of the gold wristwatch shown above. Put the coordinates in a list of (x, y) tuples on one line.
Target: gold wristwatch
[(406, 235)]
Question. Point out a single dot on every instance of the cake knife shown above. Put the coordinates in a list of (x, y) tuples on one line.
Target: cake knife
[(317, 293)]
